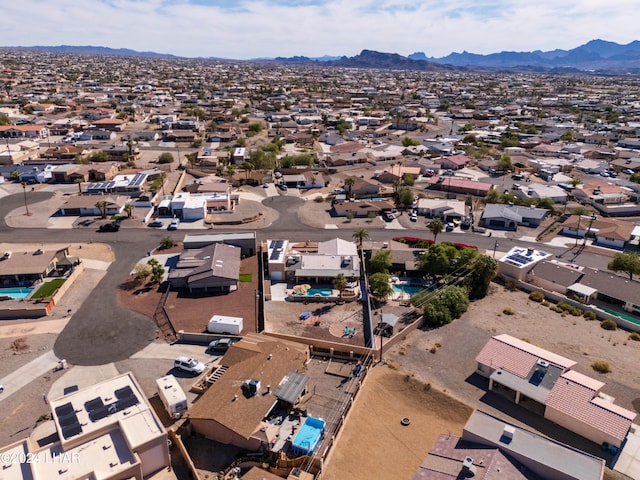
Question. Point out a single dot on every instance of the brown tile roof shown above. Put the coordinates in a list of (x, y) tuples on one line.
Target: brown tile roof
[(517, 356), (255, 357), (574, 395)]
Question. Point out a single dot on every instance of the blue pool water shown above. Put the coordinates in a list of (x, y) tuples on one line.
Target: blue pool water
[(408, 289), (309, 435), (18, 293), (325, 292)]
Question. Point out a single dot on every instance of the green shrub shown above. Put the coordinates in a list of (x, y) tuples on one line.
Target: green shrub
[(511, 286), (608, 324), (536, 296), (635, 336), (589, 315), (601, 366), (568, 308)]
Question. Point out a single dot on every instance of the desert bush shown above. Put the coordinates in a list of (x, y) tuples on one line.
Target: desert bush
[(392, 365), (319, 199), (536, 296), (608, 324), (434, 348), (511, 286), (570, 309), (589, 315), (19, 344), (601, 366), (545, 303), (508, 311), (635, 336)]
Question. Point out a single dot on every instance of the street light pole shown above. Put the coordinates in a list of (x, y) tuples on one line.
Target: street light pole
[(578, 230), (495, 246)]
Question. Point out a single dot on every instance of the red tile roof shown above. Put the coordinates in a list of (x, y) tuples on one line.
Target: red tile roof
[(574, 395), (517, 356)]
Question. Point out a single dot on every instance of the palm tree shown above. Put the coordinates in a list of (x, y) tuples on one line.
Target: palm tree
[(102, 206), (24, 191), (360, 235), (436, 227), (128, 207), (349, 183), (78, 181), (340, 283)]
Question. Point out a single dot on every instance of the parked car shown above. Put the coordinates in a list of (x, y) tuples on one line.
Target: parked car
[(338, 191), (282, 186), (449, 227), (221, 344), (189, 365), (605, 174), (109, 227), (156, 224), (265, 185), (413, 217), (174, 224), (628, 171)]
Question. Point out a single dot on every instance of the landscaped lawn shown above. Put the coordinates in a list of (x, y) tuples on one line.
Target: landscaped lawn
[(245, 277), (48, 288)]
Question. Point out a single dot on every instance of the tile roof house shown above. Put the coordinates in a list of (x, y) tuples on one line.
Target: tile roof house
[(230, 411), (571, 400), (214, 268), (509, 217)]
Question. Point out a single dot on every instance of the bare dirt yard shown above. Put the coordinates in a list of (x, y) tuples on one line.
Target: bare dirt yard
[(375, 445)]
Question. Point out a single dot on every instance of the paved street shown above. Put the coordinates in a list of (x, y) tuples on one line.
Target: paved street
[(101, 331)]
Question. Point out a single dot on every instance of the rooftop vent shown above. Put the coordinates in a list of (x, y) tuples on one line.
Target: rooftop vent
[(542, 363), (507, 434)]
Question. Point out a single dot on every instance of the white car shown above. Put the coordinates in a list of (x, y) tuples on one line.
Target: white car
[(338, 191), (413, 217), (189, 365)]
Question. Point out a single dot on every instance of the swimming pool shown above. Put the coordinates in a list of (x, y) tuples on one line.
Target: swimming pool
[(405, 288), (324, 292), (309, 435), (17, 293)]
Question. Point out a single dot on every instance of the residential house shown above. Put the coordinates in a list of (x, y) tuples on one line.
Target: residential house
[(23, 131), (84, 205), (570, 399), (454, 162), (509, 217), (23, 268), (109, 124), (447, 210), (214, 268), (121, 152), (189, 207), (360, 208), (62, 154), (492, 448), (363, 188), (233, 412), (108, 431), (608, 232), (98, 113), (333, 257), (458, 185), (97, 134), (519, 261)]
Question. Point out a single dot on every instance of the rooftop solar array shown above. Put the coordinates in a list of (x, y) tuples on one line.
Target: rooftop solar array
[(276, 251), (138, 179), (68, 420)]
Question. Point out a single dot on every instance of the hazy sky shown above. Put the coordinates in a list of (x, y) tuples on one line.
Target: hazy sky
[(243, 29)]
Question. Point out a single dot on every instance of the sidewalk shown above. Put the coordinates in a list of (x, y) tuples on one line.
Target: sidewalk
[(27, 373)]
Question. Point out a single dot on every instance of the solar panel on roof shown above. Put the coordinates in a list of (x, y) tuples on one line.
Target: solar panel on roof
[(519, 259), (137, 180)]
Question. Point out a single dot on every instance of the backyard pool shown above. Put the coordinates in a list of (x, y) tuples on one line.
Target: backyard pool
[(17, 293), (405, 288), (323, 292), (308, 436)]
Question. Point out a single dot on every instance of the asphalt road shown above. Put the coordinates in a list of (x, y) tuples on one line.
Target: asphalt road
[(101, 331)]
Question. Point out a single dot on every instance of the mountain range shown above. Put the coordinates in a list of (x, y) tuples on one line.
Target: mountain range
[(595, 56)]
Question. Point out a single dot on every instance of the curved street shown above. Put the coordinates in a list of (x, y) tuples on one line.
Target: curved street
[(101, 331)]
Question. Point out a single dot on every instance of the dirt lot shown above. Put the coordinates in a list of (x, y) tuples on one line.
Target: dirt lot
[(374, 437)]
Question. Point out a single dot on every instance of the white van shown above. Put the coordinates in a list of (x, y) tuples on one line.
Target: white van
[(174, 224)]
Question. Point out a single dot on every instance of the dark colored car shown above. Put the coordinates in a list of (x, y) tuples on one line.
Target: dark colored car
[(221, 344), (156, 224), (109, 227)]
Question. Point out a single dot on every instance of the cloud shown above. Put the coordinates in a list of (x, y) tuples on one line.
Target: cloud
[(260, 28)]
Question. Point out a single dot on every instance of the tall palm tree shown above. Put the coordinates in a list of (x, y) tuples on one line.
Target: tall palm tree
[(436, 227), (128, 207), (349, 182), (340, 283), (78, 181), (24, 191), (360, 235), (102, 206)]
